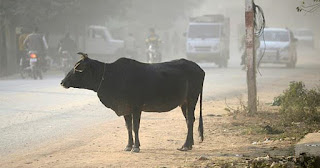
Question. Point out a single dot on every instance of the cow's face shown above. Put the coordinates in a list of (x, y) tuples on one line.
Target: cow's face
[(81, 76)]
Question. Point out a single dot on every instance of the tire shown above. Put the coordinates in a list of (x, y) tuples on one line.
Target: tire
[(293, 61), (34, 75), (40, 75), (292, 64), (22, 75), (225, 63)]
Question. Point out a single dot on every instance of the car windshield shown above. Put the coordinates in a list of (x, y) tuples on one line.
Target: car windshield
[(204, 31), (275, 36)]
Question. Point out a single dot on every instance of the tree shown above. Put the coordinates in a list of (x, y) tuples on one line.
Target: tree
[(309, 7), (32, 11), (15, 13), (73, 15)]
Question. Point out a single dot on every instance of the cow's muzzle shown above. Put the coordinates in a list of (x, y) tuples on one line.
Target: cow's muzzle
[(64, 85)]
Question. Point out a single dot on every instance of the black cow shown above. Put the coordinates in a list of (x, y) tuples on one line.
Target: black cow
[(129, 87)]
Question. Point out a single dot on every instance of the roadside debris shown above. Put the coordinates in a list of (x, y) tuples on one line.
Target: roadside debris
[(203, 157), (290, 161)]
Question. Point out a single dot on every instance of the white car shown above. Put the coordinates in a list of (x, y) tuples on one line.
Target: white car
[(278, 46)]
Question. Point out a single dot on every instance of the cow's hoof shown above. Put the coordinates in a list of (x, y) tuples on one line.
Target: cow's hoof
[(184, 148), (128, 148), (136, 150)]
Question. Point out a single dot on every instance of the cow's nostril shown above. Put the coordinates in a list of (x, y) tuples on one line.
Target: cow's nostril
[(62, 84)]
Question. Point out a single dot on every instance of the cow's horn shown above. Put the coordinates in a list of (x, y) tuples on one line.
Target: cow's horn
[(83, 55)]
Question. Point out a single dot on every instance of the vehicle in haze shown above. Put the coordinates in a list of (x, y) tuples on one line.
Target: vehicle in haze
[(305, 37), (30, 66), (278, 46), (153, 54), (208, 39), (67, 61), (99, 44)]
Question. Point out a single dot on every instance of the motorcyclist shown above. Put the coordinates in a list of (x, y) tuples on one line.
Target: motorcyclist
[(154, 40), (37, 42), (66, 48), (22, 52), (67, 44)]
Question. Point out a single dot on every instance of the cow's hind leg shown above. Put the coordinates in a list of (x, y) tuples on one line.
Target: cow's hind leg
[(128, 119), (188, 112), (184, 110), (136, 125)]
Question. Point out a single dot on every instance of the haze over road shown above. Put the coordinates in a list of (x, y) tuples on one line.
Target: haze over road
[(37, 111)]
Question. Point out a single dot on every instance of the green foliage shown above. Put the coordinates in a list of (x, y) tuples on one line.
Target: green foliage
[(302, 161), (32, 11), (298, 104)]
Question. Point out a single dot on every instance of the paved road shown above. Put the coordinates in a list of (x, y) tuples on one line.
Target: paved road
[(36, 111)]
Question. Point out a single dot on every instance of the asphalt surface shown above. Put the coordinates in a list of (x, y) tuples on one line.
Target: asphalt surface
[(37, 111), (34, 111)]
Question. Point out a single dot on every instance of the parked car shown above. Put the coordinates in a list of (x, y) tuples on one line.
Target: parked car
[(278, 46), (305, 37)]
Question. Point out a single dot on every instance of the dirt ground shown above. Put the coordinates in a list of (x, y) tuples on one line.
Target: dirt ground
[(160, 135)]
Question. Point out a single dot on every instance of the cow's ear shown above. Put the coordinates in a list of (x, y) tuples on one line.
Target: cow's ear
[(83, 55)]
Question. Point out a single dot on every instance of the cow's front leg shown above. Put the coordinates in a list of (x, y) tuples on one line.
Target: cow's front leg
[(128, 119), (136, 124)]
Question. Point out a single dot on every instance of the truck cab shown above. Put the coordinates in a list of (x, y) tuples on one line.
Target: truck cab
[(208, 39), (100, 44)]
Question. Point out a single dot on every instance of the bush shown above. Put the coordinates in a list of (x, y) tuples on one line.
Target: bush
[(298, 104)]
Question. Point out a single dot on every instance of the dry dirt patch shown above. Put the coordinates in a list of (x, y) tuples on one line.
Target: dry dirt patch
[(160, 135)]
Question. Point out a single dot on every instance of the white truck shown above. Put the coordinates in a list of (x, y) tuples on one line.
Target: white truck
[(99, 44), (208, 39)]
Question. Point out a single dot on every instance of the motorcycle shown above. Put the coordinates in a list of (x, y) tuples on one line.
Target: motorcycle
[(66, 61), (30, 66), (153, 54)]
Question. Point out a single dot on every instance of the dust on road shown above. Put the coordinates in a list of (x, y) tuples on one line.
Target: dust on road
[(101, 145)]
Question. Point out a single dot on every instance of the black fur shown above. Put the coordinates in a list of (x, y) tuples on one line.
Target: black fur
[(129, 87)]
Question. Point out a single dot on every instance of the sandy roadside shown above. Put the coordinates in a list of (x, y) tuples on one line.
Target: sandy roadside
[(160, 135)]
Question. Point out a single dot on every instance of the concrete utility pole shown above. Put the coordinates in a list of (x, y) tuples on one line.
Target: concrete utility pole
[(251, 60)]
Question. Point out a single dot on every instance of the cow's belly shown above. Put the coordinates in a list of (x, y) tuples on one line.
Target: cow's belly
[(165, 94), (161, 106), (165, 101)]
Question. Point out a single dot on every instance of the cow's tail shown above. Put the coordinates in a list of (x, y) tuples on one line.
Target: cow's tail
[(200, 128)]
